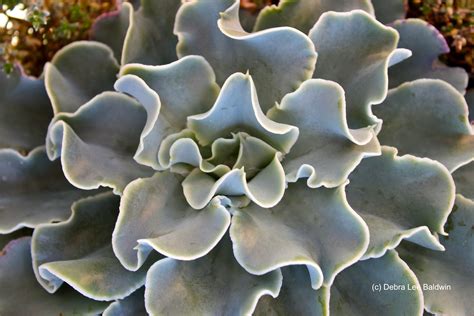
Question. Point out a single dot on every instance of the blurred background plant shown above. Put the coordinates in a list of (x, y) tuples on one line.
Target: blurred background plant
[(254, 6), (32, 31)]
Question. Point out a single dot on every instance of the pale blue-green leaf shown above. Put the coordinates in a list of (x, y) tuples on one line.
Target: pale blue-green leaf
[(265, 189), (296, 297), (164, 152), (401, 198), (303, 14), (33, 190), (25, 111), (387, 11), (77, 73), (239, 151), (79, 252), (427, 118), (150, 39), (315, 227), (132, 305), (185, 87), (180, 150), (154, 215), (355, 290), (446, 277), (237, 109), (253, 156), (426, 44), (21, 294), (200, 285), (326, 150), (186, 151), (354, 50), (110, 28), (230, 49), (464, 179), (97, 143), (399, 55), (226, 150)]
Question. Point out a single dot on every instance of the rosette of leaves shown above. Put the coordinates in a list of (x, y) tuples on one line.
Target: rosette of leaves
[(210, 170)]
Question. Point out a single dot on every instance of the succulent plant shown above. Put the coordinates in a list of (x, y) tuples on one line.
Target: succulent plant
[(191, 167)]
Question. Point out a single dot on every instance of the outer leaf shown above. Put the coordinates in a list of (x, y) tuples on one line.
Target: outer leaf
[(326, 150), (198, 286), (185, 87), (230, 49), (33, 190), (110, 28), (20, 293), (355, 50), (401, 198), (428, 118), (150, 39), (132, 305), (426, 44), (79, 72), (155, 215), (237, 109), (387, 11), (315, 227), (25, 111), (193, 89), (97, 142), (303, 14), (355, 290), (464, 179), (446, 277), (79, 252), (296, 297), (265, 189)]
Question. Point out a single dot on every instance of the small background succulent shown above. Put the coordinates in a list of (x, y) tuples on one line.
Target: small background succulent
[(455, 20), (33, 31)]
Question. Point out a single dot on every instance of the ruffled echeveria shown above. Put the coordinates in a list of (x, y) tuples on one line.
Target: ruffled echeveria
[(195, 166)]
